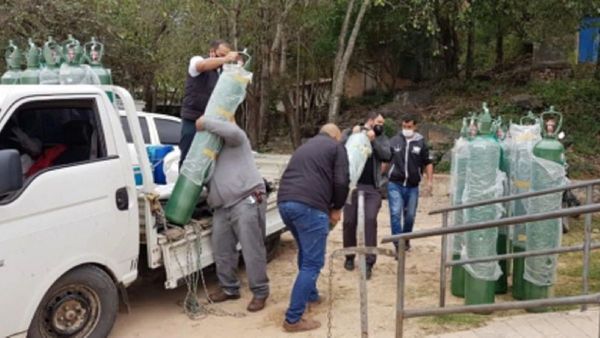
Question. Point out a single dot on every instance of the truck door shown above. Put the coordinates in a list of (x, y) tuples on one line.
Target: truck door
[(76, 207)]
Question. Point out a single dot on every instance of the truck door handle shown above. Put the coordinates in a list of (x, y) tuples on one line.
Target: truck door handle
[(122, 199)]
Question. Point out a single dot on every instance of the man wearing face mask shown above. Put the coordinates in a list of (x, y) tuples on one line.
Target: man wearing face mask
[(410, 159), (368, 182), (202, 76)]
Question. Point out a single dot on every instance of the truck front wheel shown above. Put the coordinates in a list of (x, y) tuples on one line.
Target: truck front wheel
[(82, 303)]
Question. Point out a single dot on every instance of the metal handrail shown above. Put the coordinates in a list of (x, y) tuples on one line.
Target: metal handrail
[(517, 196), (496, 223), (586, 247)]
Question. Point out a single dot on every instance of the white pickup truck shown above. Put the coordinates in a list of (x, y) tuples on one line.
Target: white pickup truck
[(73, 224)]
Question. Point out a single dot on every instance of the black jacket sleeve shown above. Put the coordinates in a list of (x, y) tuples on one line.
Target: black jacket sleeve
[(425, 157), (341, 178), (382, 149)]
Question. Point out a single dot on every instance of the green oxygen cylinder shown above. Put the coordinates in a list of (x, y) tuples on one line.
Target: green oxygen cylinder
[(460, 157), (31, 75), (481, 180), (12, 56), (52, 55), (197, 167), (540, 271), (94, 51), (71, 71)]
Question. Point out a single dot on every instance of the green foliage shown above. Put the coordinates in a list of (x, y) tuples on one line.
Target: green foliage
[(390, 127), (442, 167), (578, 100)]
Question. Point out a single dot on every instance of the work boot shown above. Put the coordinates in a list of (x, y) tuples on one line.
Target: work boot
[(301, 325), (221, 296), (349, 264), (257, 304)]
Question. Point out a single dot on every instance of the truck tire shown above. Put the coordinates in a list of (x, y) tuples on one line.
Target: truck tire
[(82, 303), (271, 246)]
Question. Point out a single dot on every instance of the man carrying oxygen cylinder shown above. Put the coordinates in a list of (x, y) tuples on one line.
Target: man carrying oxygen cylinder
[(369, 182)]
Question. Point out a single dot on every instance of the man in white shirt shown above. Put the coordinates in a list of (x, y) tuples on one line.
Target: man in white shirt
[(202, 76)]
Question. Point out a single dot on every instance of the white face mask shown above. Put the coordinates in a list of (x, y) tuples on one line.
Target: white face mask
[(408, 133)]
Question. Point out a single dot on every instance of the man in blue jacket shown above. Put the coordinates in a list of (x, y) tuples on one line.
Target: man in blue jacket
[(410, 159)]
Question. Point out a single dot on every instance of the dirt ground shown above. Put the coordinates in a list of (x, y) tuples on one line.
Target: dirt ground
[(156, 312)]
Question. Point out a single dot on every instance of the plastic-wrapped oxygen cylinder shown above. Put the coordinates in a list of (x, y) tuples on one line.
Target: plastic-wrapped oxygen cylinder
[(197, 168), (548, 171), (12, 56), (52, 53), (523, 138), (72, 71), (93, 52), (458, 170), (359, 149), (31, 75), (483, 181)]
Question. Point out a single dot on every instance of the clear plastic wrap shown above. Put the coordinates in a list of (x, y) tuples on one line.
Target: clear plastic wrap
[(359, 149), (458, 173), (68, 74), (229, 92), (541, 270), (483, 181), (520, 155)]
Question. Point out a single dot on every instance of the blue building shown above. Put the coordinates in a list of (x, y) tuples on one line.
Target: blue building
[(589, 39)]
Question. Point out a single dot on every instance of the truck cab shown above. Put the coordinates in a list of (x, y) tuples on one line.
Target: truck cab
[(73, 223)]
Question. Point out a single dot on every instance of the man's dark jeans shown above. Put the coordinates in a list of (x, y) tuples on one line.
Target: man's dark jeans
[(188, 131), (310, 227), (372, 206)]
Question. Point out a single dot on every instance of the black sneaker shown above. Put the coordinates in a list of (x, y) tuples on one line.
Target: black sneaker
[(349, 265)]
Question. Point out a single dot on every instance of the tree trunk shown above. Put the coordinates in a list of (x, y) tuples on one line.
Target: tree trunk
[(470, 48), (499, 49), (337, 87), (264, 94), (292, 120), (342, 39)]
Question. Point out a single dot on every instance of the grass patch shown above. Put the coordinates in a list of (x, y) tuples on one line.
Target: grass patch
[(453, 322), (570, 266)]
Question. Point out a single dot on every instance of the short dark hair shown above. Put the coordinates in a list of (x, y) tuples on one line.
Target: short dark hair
[(373, 115), (408, 117), (214, 44)]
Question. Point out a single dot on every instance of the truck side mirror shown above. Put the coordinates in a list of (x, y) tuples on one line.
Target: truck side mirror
[(10, 167)]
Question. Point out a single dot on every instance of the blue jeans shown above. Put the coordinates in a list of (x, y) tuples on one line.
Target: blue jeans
[(310, 228), (403, 207)]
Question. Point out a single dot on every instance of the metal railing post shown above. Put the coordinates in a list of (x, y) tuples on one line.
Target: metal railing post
[(586, 243), (364, 322), (400, 289), (443, 259)]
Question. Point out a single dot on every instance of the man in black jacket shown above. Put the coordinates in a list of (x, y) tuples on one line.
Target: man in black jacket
[(312, 192), (369, 182), (410, 159), (202, 76)]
